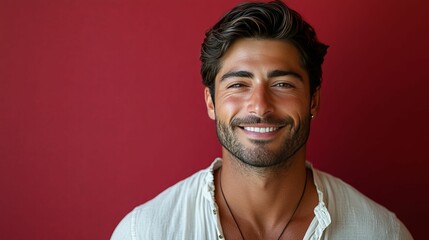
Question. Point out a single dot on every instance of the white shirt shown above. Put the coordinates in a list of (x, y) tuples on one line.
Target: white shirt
[(188, 210)]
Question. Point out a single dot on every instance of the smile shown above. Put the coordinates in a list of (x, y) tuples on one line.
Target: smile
[(261, 129)]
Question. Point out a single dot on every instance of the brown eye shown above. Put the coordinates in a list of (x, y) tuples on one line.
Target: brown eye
[(283, 85), (236, 85)]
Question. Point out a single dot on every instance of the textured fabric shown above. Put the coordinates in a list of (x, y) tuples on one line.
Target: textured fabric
[(188, 210)]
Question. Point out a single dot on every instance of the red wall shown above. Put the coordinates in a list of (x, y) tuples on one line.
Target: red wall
[(101, 107)]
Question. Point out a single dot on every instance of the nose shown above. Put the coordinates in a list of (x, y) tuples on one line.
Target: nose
[(260, 102)]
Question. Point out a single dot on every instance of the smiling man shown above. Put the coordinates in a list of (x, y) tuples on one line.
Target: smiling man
[(261, 64), (263, 104)]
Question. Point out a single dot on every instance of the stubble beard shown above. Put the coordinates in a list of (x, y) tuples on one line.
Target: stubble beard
[(260, 156)]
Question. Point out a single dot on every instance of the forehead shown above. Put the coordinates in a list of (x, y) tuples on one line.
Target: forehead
[(262, 55)]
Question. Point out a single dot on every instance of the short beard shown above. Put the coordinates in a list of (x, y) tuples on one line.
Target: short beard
[(259, 156)]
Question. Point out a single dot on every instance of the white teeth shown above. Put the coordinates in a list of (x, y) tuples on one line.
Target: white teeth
[(261, 130)]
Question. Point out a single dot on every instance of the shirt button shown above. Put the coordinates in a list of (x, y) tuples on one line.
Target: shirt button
[(214, 211), (220, 237)]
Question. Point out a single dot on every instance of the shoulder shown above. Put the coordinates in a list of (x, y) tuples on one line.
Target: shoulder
[(354, 214), (177, 197), (342, 198), (173, 206)]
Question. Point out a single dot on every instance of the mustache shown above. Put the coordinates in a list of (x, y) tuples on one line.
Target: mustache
[(254, 119)]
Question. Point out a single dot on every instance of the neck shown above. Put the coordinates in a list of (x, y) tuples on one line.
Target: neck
[(264, 199)]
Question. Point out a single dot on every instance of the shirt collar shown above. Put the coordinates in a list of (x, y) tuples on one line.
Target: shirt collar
[(320, 211)]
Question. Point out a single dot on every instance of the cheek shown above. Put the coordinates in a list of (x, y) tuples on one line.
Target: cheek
[(227, 108), (296, 108)]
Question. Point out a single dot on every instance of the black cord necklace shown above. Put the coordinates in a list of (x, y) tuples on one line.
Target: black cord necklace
[(235, 220)]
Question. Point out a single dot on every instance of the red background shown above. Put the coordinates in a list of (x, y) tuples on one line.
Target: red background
[(101, 107)]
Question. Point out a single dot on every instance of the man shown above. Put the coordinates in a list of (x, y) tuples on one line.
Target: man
[(261, 64)]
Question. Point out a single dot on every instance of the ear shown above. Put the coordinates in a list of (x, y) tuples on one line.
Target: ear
[(315, 103), (209, 103)]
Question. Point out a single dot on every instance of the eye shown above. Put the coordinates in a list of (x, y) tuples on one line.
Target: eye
[(283, 85), (236, 85)]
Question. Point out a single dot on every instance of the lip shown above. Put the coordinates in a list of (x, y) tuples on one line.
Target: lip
[(260, 131)]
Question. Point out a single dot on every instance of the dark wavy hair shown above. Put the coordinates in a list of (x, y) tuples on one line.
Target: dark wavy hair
[(272, 20)]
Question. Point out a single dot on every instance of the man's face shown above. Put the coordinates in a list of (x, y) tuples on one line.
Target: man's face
[(263, 103)]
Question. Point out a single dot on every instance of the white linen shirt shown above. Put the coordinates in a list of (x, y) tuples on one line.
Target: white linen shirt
[(188, 210)]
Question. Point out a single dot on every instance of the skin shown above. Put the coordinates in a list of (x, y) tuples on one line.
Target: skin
[(263, 184)]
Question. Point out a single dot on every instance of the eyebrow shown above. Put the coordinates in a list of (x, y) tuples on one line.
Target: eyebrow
[(271, 74), (244, 74), (280, 73)]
